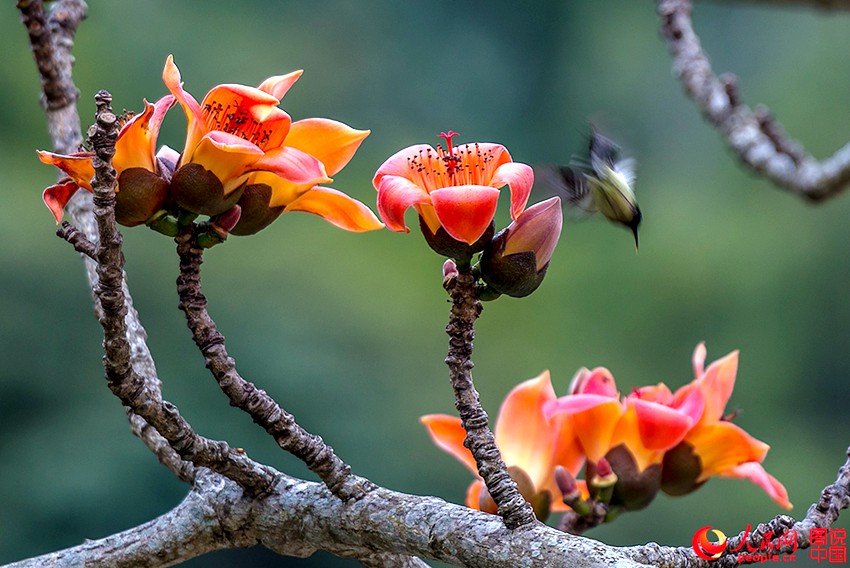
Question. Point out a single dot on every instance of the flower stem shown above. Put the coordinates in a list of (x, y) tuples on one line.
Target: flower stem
[(289, 435), (466, 308)]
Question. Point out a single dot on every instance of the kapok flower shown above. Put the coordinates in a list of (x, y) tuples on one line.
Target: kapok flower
[(142, 175), (241, 148), (516, 260), (531, 446), (456, 188), (714, 445)]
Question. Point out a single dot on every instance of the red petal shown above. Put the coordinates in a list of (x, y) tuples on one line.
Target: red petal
[(57, 196), (395, 195), (660, 427), (519, 178), (465, 211)]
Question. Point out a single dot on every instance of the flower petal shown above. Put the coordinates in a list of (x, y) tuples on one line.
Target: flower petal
[(628, 434), (399, 164), (279, 85), (448, 433), (57, 196), (660, 427), (598, 381), (465, 211), (337, 208), (78, 165), (717, 384), (723, 446), (227, 156), (699, 360), (519, 178), (136, 143), (195, 129), (293, 165), (594, 418), (332, 142), (524, 436), (757, 474), (247, 112), (473, 495), (395, 195)]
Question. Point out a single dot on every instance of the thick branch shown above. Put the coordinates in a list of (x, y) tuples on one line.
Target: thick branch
[(311, 449), (754, 136), (122, 377), (479, 439)]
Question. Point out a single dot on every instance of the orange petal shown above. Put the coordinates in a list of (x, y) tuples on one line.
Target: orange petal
[(465, 211), (337, 208), (448, 433), (247, 112), (227, 156), (332, 142), (473, 494), (279, 85), (723, 446), (57, 196), (519, 178), (395, 195), (757, 474), (660, 427), (628, 433), (195, 128), (77, 166), (717, 384), (594, 419), (136, 143), (524, 436)]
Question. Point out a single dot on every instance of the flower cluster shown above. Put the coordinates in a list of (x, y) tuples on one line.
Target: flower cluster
[(244, 162), (455, 191), (647, 441)]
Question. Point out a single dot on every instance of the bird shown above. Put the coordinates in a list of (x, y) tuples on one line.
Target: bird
[(601, 181)]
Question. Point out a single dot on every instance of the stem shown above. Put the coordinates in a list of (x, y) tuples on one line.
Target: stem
[(466, 308), (289, 435)]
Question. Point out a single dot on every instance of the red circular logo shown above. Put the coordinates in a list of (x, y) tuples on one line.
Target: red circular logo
[(706, 549)]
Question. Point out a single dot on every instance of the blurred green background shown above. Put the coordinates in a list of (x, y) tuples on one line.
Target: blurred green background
[(347, 330)]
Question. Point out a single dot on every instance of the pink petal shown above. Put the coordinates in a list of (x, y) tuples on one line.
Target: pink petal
[(465, 211), (599, 381), (292, 165), (399, 164), (519, 178), (395, 195), (717, 384), (699, 360), (757, 474), (660, 427)]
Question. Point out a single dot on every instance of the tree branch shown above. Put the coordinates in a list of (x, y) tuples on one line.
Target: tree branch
[(754, 136), (479, 439), (309, 448)]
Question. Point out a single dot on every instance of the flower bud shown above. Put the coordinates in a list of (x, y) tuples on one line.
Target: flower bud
[(141, 193), (256, 213), (198, 190), (516, 260)]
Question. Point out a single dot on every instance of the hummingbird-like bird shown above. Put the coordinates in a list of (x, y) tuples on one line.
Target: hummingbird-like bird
[(602, 181)]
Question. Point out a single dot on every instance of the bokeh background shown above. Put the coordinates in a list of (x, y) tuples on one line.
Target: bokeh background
[(347, 330)]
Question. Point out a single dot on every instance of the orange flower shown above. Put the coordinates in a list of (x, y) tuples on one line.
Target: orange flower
[(142, 175), (531, 446), (718, 446), (241, 148), (456, 188)]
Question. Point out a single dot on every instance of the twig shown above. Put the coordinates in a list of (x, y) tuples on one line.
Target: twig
[(122, 378), (479, 439), (289, 435), (755, 137), (76, 239)]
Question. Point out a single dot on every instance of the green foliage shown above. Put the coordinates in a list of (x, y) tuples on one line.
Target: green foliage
[(346, 331)]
